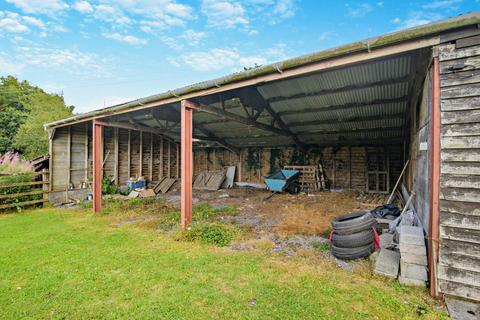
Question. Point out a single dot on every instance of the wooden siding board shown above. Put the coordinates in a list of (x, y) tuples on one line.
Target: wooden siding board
[(460, 172)]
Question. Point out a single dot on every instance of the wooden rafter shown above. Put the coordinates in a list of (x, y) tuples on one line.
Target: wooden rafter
[(284, 127)]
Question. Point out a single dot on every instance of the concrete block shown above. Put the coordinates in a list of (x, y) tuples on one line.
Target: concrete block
[(386, 240), (460, 309), (411, 282), (414, 249), (413, 271), (414, 258), (387, 263), (411, 235)]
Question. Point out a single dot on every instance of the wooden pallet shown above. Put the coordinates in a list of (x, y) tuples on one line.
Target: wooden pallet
[(310, 178)]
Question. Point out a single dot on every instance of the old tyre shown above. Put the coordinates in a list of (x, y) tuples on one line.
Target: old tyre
[(353, 223), (352, 253), (354, 240)]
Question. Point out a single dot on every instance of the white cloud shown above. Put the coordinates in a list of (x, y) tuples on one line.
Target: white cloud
[(40, 6), (110, 14), (12, 23), (193, 37), (8, 67), (217, 59), (327, 35), (359, 10), (284, 9), (443, 4), (224, 14), (67, 60), (34, 22), (125, 38), (83, 7), (417, 18)]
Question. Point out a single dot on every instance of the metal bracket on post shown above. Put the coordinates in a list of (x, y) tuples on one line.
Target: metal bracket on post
[(186, 161)]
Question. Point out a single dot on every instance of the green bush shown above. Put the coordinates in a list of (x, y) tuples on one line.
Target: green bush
[(108, 186), (218, 234), (321, 246)]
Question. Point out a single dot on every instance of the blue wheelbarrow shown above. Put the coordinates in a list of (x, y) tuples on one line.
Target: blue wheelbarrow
[(283, 180)]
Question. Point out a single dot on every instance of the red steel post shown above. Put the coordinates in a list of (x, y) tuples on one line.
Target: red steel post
[(97, 166), (434, 178), (186, 161)]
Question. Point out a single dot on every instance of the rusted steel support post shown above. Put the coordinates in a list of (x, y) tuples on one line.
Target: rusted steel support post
[(187, 162), (97, 166), (434, 179)]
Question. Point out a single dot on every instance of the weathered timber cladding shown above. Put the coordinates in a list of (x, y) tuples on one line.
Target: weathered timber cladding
[(344, 168), (459, 269), (72, 150)]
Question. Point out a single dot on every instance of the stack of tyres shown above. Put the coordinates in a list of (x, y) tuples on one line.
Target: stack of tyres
[(353, 236)]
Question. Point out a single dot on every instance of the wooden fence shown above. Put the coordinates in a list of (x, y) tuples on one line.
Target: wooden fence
[(29, 191)]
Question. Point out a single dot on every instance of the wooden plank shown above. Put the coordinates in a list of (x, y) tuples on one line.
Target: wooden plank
[(461, 155), (464, 261), (458, 275), (471, 90), (467, 42), (177, 162), (22, 204), (460, 194), (22, 194), (461, 130), (448, 247), (460, 168), (460, 181), (470, 63), (460, 104), (21, 184), (169, 155), (460, 234), (468, 77), (457, 219), (459, 289), (466, 208), (449, 52), (466, 116), (50, 163), (469, 142)]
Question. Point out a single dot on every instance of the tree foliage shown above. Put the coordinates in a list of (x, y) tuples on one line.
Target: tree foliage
[(24, 109)]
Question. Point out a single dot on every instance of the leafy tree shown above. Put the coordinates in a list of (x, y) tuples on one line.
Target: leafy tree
[(24, 109)]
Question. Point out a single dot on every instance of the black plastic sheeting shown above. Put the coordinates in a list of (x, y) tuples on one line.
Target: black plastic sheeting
[(386, 211)]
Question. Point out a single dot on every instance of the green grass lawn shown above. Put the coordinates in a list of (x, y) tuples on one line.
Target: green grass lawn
[(70, 264)]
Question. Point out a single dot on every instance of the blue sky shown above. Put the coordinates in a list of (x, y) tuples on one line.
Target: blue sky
[(103, 52)]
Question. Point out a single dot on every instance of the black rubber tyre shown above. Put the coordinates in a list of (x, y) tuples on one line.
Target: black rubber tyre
[(355, 240), (352, 253), (353, 223)]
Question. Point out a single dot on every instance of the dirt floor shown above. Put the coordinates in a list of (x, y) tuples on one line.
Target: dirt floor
[(286, 214)]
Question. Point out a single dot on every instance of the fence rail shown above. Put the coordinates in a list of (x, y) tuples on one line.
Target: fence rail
[(28, 193)]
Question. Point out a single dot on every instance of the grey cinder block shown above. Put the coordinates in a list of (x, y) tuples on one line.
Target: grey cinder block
[(387, 263)]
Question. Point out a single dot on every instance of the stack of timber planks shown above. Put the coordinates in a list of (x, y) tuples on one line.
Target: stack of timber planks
[(311, 178), (209, 180)]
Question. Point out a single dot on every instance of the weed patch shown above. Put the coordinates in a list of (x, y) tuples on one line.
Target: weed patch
[(215, 233)]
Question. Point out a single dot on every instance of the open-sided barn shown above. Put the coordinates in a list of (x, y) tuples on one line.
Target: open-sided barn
[(362, 110)]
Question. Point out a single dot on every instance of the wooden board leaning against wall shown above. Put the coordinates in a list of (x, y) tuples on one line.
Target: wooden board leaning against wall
[(126, 153)]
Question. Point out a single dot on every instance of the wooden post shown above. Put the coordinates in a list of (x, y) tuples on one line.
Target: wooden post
[(140, 169), (161, 159), (69, 157), (150, 164), (187, 162), (115, 156), (434, 178), (129, 154), (177, 162), (50, 163), (169, 155), (97, 167), (85, 144)]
